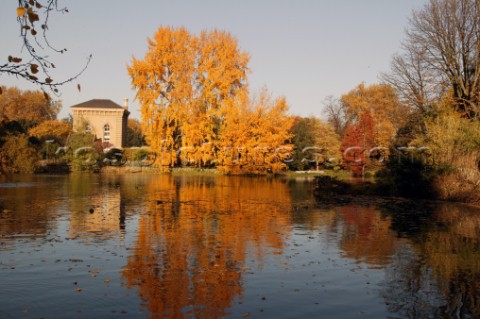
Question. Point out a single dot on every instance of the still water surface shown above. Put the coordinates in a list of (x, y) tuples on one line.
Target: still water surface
[(157, 246)]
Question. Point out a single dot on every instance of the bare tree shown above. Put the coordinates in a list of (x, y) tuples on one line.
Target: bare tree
[(33, 18), (417, 86), (441, 52), (337, 114)]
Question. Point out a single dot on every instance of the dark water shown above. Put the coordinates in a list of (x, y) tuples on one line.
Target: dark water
[(139, 246)]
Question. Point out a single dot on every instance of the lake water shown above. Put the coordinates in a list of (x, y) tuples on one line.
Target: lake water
[(159, 246)]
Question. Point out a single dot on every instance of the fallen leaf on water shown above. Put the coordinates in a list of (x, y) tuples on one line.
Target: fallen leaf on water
[(75, 260), (106, 281)]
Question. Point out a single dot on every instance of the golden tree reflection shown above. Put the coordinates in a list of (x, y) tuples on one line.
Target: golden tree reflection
[(193, 242)]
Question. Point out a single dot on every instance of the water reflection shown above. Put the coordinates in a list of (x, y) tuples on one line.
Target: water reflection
[(430, 254), (452, 253), (210, 247), (192, 244), (97, 208), (366, 235), (26, 212)]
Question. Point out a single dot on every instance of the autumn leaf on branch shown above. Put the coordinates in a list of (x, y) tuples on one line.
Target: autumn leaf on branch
[(32, 16)]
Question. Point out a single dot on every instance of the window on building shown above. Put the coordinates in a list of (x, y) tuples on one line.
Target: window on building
[(106, 133)]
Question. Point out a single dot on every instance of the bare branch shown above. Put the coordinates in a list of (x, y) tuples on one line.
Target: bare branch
[(33, 15), (441, 53)]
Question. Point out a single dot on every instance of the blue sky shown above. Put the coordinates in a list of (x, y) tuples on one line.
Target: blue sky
[(304, 50)]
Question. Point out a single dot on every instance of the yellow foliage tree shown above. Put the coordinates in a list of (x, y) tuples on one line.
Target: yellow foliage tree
[(255, 136), (29, 108), (452, 144), (381, 101), (184, 82), (52, 129), (163, 79), (18, 155)]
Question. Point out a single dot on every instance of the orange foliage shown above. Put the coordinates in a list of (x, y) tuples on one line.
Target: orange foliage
[(163, 80), (31, 106), (254, 136), (359, 139), (381, 101), (194, 97), (52, 129), (183, 82), (192, 245)]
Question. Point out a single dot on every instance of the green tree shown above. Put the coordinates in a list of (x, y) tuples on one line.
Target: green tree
[(83, 153), (135, 136), (316, 143)]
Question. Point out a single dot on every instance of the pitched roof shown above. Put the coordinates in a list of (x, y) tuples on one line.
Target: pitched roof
[(99, 104)]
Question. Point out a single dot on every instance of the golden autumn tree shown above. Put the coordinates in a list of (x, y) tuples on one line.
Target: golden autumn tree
[(256, 134), (183, 83), (272, 133), (222, 76), (382, 103), (52, 129), (164, 83), (29, 108), (234, 133)]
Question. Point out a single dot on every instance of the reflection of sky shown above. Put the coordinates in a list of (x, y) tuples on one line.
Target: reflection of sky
[(311, 275)]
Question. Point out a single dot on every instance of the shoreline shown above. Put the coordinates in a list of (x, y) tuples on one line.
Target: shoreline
[(332, 191)]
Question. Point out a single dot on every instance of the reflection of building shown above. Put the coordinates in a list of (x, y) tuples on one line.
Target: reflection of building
[(104, 118), (107, 218)]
